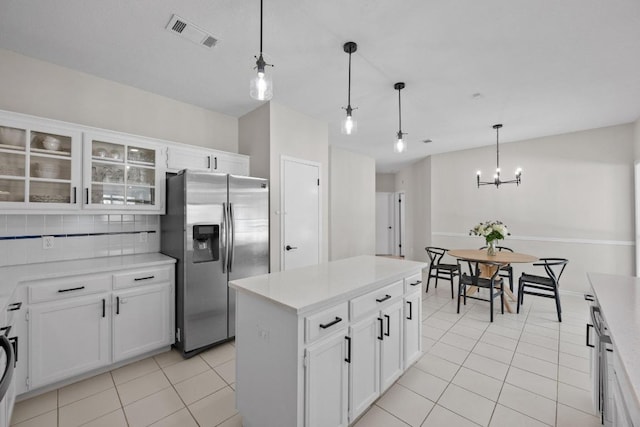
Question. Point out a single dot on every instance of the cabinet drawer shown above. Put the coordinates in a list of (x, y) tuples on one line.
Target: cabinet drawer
[(374, 300), (412, 282), (325, 322), (68, 287), (148, 276)]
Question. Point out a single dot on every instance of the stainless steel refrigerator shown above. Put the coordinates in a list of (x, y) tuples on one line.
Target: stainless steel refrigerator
[(217, 227)]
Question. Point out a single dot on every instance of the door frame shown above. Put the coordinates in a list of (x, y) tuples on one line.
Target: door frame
[(318, 165)]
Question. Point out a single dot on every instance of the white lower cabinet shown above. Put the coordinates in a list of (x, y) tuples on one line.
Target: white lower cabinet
[(326, 383), (325, 367), (364, 366), (82, 323), (412, 327), (67, 338), (141, 320), (391, 361)]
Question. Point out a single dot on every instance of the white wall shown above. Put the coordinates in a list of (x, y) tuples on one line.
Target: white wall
[(385, 182), (43, 89), (254, 140), (272, 131), (352, 204), (575, 200), (414, 181)]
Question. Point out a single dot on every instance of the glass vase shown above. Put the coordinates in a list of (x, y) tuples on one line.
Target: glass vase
[(491, 248)]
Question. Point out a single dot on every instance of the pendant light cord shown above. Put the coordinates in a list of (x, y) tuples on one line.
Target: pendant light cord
[(349, 85), (399, 114), (497, 151), (260, 27)]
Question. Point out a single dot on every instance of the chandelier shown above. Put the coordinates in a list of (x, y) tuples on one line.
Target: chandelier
[(496, 177)]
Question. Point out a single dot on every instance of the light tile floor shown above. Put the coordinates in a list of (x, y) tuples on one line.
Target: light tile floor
[(524, 369)]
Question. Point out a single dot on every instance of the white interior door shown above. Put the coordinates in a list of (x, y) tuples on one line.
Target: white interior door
[(384, 223), (300, 243)]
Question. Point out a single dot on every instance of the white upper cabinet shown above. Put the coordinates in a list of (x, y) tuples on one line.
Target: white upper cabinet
[(121, 173), (40, 165), (206, 160)]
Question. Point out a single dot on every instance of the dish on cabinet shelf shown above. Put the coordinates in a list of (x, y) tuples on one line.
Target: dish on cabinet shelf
[(12, 137), (51, 143), (47, 170), (44, 198), (100, 152)]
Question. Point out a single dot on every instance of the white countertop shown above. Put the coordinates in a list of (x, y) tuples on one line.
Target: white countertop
[(619, 301), (10, 276), (305, 289)]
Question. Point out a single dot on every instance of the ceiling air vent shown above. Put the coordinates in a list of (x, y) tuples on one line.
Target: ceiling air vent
[(190, 31)]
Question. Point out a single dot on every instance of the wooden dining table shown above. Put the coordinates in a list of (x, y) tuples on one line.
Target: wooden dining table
[(501, 257)]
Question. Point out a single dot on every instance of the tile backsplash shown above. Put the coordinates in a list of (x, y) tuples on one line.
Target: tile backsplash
[(76, 236)]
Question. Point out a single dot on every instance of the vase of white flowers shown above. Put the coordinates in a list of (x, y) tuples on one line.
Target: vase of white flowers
[(492, 231)]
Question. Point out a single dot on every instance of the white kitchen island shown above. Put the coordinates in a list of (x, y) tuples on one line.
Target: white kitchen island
[(316, 346)]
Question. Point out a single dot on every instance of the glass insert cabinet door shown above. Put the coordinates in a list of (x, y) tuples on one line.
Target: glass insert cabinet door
[(121, 175), (39, 165)]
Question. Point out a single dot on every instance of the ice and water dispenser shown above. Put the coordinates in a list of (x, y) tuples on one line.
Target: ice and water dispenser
[(206, 242)]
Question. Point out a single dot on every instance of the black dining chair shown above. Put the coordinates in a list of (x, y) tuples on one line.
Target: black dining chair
[(506, 271), (543, 286), (438, 269), (483, 274)]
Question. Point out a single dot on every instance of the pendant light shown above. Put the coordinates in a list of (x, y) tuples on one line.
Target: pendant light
[(349, 126), (400, 146), (261, 87), (496, 177)]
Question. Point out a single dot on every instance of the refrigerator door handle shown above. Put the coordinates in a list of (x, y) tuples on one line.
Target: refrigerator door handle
[(232, 236), (225, 236)]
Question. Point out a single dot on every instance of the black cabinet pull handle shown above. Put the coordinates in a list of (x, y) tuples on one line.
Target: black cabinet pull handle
[(143, 278), (104, 303), (410, 311), (208, 162), (117, 305), (588, 343), (330, 324), (386, 297), (348, 358), (215, 164), (388, 324), (14, 343), (79, 288), (589, 297), (5, 331), (86, 192), (380, 337), (75, 198), (416, 283), (15, 306)]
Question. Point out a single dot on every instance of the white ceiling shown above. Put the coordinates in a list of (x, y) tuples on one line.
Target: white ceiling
[(542, 67)]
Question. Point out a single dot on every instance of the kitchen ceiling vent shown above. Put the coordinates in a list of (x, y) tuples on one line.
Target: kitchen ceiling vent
[(190, 31)]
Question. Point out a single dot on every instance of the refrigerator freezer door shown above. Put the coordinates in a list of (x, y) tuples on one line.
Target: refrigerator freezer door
[(249, 254), (205, 285)]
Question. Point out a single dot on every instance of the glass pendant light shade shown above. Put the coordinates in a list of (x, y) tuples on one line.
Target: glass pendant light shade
[(400, 146), (349, 126), (261, 87)]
